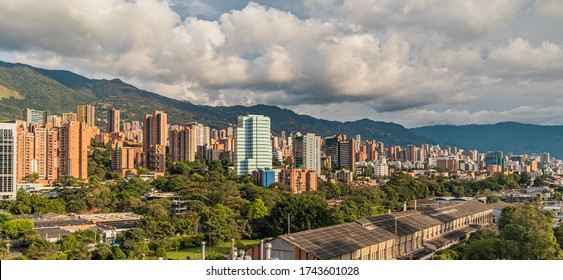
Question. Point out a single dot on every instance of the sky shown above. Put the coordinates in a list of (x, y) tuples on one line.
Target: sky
[(412, 62)]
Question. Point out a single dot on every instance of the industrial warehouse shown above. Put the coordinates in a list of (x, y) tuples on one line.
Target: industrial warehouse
[(413, 234)]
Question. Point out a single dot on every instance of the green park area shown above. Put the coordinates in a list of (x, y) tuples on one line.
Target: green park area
[(194, 253)]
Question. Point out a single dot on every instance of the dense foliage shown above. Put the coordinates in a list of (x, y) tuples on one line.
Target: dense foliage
[(220, 206), (525, 233)]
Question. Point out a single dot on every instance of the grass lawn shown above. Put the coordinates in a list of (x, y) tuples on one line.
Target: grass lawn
[(195, 252)]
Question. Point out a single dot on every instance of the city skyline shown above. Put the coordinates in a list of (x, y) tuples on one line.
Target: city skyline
[(404, 61)]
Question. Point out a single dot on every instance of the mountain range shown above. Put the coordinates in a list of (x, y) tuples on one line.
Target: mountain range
[(57, 91)]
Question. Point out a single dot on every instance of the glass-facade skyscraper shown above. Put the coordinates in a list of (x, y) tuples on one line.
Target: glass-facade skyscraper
[(253, 146)]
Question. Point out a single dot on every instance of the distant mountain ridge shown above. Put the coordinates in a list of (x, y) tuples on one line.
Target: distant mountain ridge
[(58, 91), (513, 137)]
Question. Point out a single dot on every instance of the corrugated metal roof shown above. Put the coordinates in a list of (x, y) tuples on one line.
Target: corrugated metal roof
[(333, 241)]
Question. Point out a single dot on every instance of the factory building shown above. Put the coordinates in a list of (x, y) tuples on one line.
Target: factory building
[(413, 234)]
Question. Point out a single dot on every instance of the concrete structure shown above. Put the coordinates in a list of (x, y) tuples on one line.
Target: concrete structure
[(202, 134), (331, 147), (182, 143), (54, 120), (253, 149), (401, 235), (347, 155), (177, 207), (69, 117), (123, 160), (35, 117), (74, 139), (86, 114), (307, 151), (494, 158), (113, 121), (8, 160), (299, 180), (381, 169), (154, 141), (265, 177), (450, 163), (38, 152)]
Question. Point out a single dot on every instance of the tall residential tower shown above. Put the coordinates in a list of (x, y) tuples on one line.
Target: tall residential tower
[(8, 160), (307, 151), (253, 147)]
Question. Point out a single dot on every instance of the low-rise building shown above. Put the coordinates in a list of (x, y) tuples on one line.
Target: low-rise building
[(409, 234)]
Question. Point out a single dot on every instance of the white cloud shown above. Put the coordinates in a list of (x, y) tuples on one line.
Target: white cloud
[(521, 55), (444, 60)]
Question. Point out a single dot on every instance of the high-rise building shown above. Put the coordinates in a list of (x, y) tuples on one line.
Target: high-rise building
[(253, 149), (35, 117), (87, 114), (451, 163), (38, 153), (181, 143), (283, 140), (347, 155), (307, 151), (495, 158), (381, 148), (331, 147), (154, 141), (54, 120), (358, 142), (74, 138), (410, 153), (545, 158), (265, 177), (202, 134), (214, 134), (299, 180), (371, 151), (69, 117), (8, 160), (123, 159), (113, 119)]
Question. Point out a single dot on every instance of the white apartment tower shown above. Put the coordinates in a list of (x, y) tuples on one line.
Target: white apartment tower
[(253, 148), (307, 151), (8, 158)]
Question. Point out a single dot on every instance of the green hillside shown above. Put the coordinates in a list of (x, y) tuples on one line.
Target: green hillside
[(59, 91)]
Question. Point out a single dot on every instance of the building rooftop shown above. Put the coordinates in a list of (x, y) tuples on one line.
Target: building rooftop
[(106, 217), (60, 223), (333, 241)]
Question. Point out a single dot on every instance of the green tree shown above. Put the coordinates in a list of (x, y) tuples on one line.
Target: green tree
[(304, 212), (532, 228), (16, 228), (559, 235), (41, 249), (446, 255), (4, 217), (257, 209), (118, 254), (22, 205), (221, 225), (103, 252), (31, 177)]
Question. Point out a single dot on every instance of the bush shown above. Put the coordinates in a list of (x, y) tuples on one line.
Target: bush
[(190, 241), (215, 256), (160, 253)]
